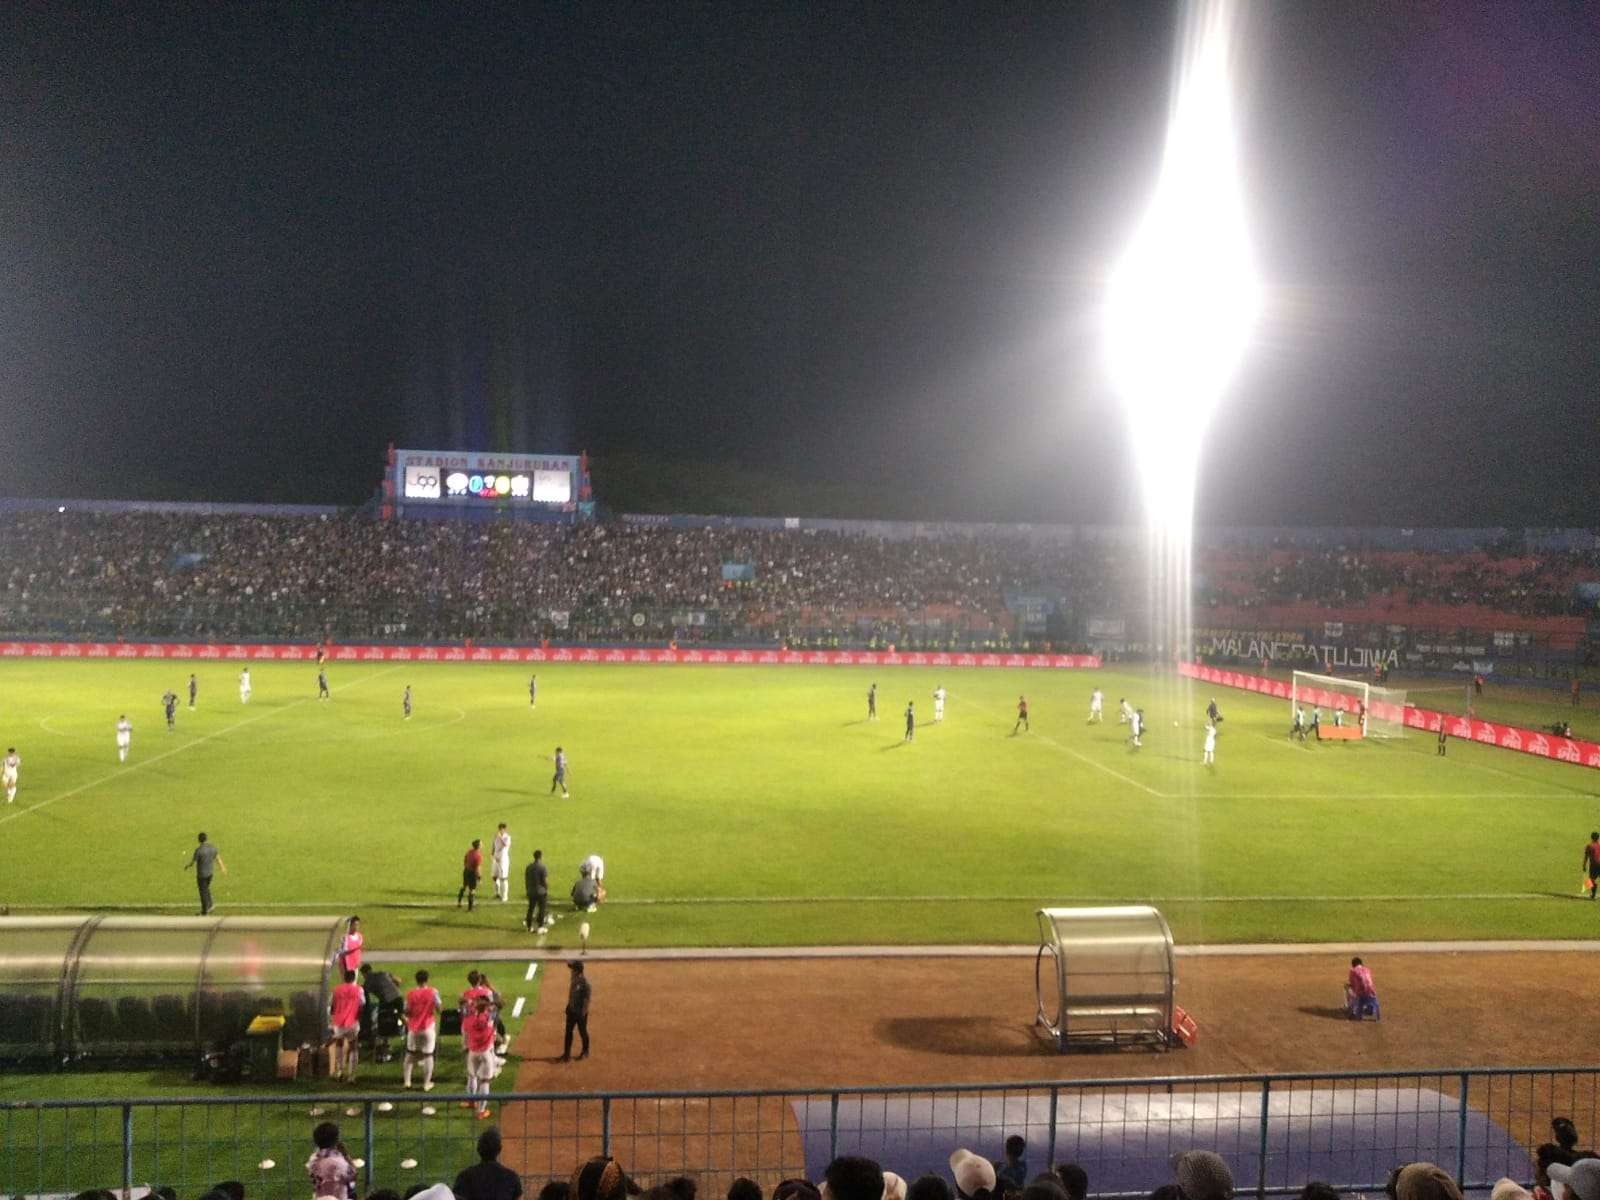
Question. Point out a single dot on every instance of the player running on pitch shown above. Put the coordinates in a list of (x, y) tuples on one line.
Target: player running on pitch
[(405, 702), (9, 768), (169, 701), (244, 686), (533, 690), (1137, 726), (938, 704), (1209, 757), (124, 737), (911, 721), (1022, 715), (1298, 729), (194, 691), (1096, 705), (559, 779), (322, 685), (872, 703), (1125, 713)]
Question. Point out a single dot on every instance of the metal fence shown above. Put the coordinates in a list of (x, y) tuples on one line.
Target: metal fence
[(1276, 1131)]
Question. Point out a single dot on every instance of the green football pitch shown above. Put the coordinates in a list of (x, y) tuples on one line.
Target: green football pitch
[(758, 806)]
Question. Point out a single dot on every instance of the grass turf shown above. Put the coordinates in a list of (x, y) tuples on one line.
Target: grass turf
[(756, 805)]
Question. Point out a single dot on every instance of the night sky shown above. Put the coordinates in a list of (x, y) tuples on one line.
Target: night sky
[(244, 247)]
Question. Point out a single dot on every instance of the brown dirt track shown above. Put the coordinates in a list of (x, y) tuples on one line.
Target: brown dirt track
[(798, 1024)]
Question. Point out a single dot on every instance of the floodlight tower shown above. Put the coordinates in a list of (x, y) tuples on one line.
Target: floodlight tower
[(1181, 303)]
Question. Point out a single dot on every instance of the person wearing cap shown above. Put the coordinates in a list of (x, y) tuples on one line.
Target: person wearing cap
[(578, 995), (1202, 1175), (973, 1174), (1577, 1181)]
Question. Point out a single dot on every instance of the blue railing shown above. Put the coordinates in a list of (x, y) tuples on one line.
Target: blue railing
[(1276, 1131)]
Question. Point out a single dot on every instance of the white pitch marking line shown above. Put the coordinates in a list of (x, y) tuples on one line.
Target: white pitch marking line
[(44, 724), (533, 969), (516, 1009), (1099, 766), (127, 770)]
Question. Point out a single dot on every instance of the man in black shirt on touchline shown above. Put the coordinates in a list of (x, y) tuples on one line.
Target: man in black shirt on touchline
[(536, 879)]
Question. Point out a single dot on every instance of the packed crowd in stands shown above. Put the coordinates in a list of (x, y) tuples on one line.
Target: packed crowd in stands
[(130, 575), (1563, 1172)]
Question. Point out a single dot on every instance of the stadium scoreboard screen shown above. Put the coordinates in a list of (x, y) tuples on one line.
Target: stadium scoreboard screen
[(467, 480)]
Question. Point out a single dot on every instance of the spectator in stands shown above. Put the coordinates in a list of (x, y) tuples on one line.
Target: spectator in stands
[(1044, 1187), (796, 1189), (680, 1187), (1075, 1179), (231, 1188), (1013, 1169), (974, 1176), (744, 1188), (1427, 1181), (1317, 1190), (332, 1173), (1508, 1189), (556, 1189), (1578, 1181), (924, 1187), (894, 1187), (488, 1179), (850, 1177), (1202, 1175), (602, 1178)]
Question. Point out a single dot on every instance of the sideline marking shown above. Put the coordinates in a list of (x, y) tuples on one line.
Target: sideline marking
[(516, 1009), (127, 769), (1084, 758), (533, 969), (668, 901)]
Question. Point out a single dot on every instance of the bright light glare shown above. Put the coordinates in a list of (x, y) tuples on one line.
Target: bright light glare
[(1184, 296)]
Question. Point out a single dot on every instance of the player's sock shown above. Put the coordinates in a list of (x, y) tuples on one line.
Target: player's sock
[(405, 1072)]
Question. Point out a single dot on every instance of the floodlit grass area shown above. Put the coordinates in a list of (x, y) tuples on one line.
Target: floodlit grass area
[(756, 805)]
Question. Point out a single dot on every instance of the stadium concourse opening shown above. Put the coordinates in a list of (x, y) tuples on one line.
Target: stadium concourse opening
[(93, 991)]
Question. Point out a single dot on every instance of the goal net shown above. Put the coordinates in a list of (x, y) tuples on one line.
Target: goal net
[(1384, 708)]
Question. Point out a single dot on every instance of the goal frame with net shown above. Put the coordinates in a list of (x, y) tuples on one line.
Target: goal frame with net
[(1384, 708)]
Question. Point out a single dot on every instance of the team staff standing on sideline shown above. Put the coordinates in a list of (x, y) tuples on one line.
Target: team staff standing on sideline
[(536, 879), (578, 996), (1591, 864), (205, 859)]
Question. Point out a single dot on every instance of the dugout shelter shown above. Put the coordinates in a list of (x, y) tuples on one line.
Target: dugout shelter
[(101, 990), (1105, 977)]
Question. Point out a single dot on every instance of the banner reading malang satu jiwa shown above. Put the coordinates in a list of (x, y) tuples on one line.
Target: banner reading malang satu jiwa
[(1488, 733), (268, 652)]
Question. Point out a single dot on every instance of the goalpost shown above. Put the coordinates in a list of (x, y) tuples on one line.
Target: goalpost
[(1385, 708)]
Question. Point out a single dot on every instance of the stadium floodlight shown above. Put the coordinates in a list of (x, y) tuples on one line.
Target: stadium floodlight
[(1184, 295)]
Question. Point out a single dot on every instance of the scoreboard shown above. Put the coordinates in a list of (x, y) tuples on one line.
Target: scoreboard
[(433, 480)]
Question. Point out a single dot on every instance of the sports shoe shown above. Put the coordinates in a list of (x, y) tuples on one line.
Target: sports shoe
[(406, 1085), (481, 1115), (428, 1087)]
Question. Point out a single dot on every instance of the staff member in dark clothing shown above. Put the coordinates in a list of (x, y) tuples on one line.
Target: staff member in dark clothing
[(489, 1179), (205, 859), (1591, 864), (536, 879), (577, 1011), (1443, 738)]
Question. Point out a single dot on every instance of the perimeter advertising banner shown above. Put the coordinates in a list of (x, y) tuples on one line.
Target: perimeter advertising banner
[(272, 652), (1488, 733)]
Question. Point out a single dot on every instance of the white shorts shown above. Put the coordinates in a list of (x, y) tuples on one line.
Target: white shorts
[(501, 869), (9, 779), (123, 739), (424, 1042), (346, 1031), (481, 1065)]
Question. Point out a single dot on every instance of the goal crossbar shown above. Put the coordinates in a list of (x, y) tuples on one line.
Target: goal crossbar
[(1380, 711)]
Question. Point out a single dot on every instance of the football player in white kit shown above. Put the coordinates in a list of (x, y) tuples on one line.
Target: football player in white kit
[(938, 704), (244, 686), (1096, 703), (1210, 755), (8, 773), (124, 737), (500, 857), (1126, 714)]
